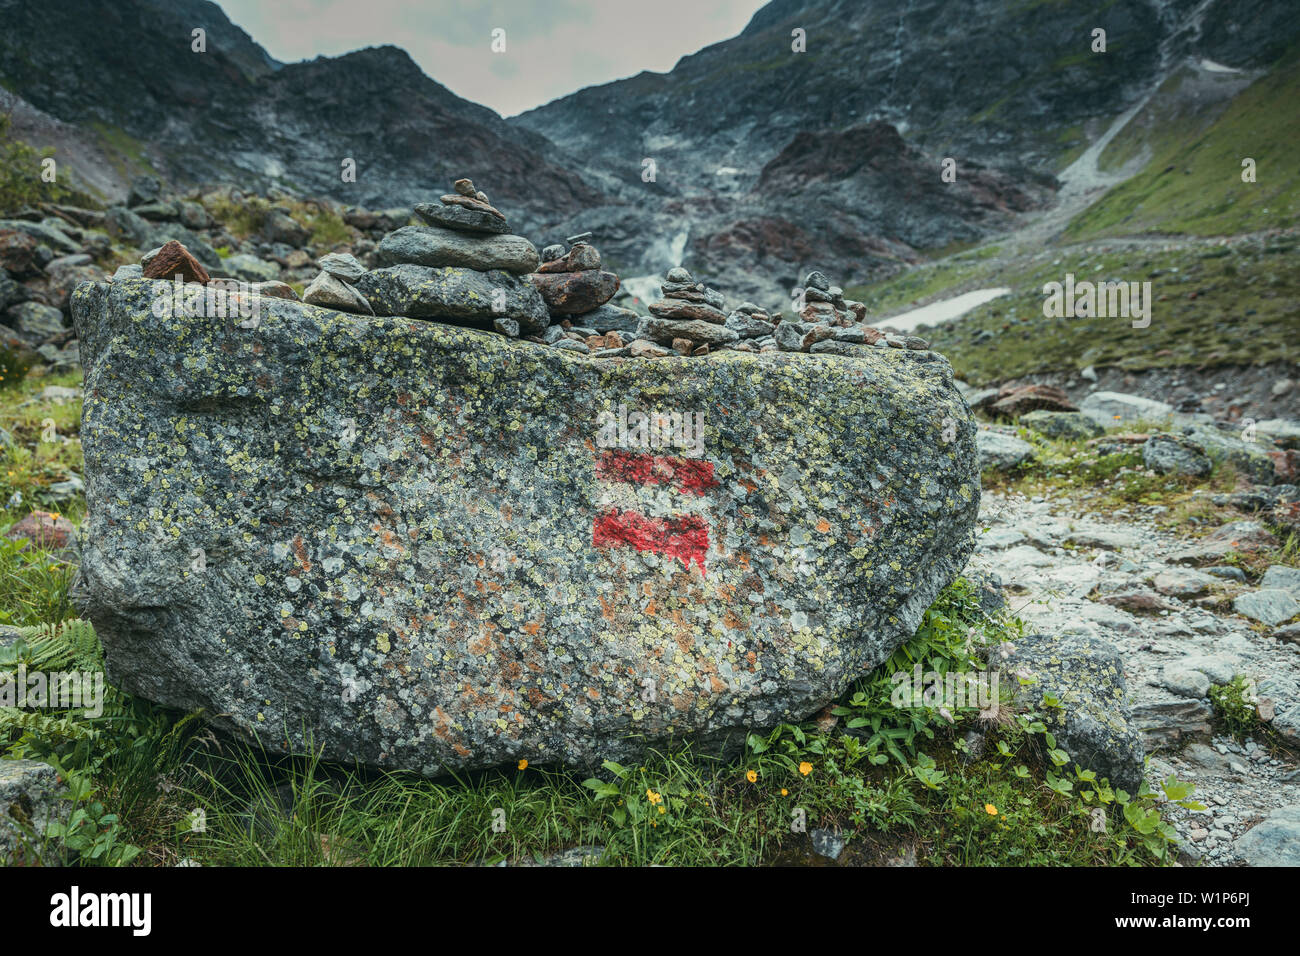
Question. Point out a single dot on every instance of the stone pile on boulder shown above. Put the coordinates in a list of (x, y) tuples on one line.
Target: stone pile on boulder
[(489, 573), (829, 324), (689, 318), (462, 267), (333, 287)]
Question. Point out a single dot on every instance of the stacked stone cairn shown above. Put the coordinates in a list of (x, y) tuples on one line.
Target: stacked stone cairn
[(333, 287), (577, 293), (829, 324), (462, 267), (689, 317)]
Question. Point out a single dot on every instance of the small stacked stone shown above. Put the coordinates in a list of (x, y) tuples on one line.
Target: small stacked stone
[(755, 326), (829, 324), (689, 317), (332, 288), (463, 268), (577, 292)]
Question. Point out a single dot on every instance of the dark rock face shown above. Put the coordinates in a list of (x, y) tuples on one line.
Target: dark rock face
[(431, 548)]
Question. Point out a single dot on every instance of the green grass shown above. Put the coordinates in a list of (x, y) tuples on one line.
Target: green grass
[(1192, 184), (1213, 307), (152, 787)]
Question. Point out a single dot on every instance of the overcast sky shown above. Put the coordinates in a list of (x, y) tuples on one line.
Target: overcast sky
[(552, 47)]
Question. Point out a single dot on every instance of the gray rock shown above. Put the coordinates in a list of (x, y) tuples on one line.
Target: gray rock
[(30, 800), (34, 321), (665, 330), (747, 326), (144, 189), (421, 292), (325, 290), (1184, 681), (507, 327), (432, 246), (10, 291), (1116, 408), (789, 336), (1001, 451), (1271, 607), (411, 556), (816, 280), (1167, 724), (572, 345), (1284, 690), (1166, 455), (1275, 841), (609, 318), (342, 265), (250, 268), (551, 253), (827, 843), (463, 219), (1183, 582), (1093, 723), (678, 274), (1283, 578), (51, 235), (1248, 458), (854, 333), (1228, 572)]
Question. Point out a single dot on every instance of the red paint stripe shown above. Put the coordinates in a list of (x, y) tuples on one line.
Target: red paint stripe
[(685, 537), (690, 475)]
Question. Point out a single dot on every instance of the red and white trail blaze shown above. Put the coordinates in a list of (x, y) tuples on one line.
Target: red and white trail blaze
[(683, 534)]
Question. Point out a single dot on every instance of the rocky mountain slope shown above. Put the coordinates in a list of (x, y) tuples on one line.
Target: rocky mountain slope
[(234, 114), (766, 162)]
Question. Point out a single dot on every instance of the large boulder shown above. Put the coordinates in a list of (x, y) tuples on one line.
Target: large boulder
[(428, 547)]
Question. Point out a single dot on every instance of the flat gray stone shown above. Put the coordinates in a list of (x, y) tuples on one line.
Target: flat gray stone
[(1271, 606), (1275, 841)]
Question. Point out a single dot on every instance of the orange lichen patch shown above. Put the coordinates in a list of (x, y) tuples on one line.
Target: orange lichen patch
[(823, 526), (684, 641), (300, 552), (730, 620), (461, 749), (718, 686), (606, 611), (532, 627), (649, 609), (593, 693)]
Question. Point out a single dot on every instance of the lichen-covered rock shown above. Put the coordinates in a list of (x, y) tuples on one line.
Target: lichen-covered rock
[(1092, 723), (30, 799), (412, 545)]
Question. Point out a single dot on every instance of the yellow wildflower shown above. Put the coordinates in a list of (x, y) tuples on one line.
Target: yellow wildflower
[(805, 768)]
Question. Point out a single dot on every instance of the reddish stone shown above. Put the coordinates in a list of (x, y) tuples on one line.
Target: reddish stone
[(573, 293), (174, 259), (610, 340), (872, 336), (686, 310), (43, 529), (1286, 465), (1016, 401), (817, 334), (468, 203), (581, 258), (683, 346), (18, 255)]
